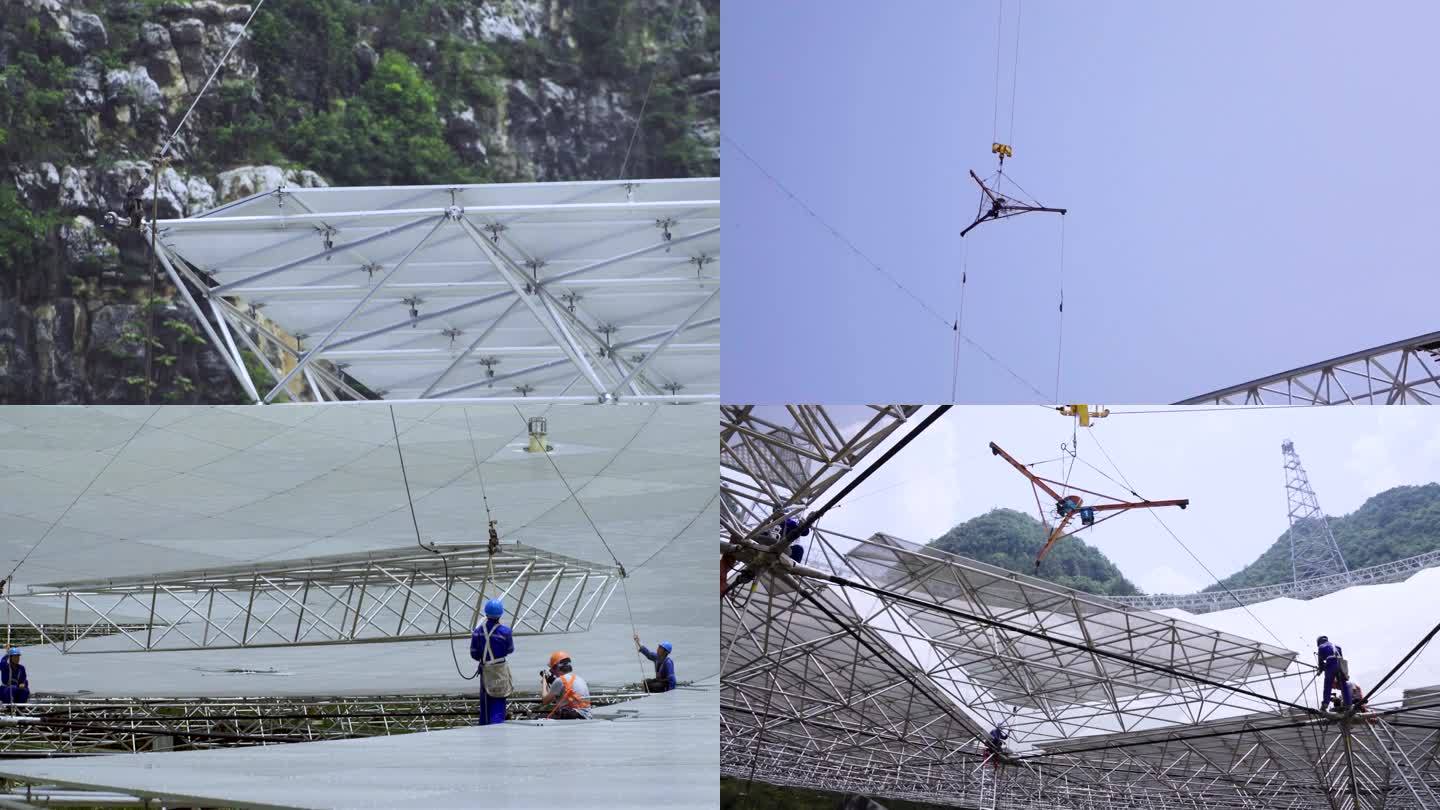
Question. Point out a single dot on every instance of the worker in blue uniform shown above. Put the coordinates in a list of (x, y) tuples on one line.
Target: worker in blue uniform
[(664, 679), (996, 744), (1330, 659), (14, 682), (793, 532), (494, 638)]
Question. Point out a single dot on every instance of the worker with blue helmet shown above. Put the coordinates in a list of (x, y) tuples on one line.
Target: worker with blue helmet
[(664, 679), (490, 644), (1330, 659), (14, 682)]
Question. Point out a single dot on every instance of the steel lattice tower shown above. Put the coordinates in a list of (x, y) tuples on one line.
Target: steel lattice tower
[(1313, 550)]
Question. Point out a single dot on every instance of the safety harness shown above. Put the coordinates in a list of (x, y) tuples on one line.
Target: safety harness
[(497, 679), (568, 699)]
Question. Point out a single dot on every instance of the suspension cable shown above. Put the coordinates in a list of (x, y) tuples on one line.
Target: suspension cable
[(1060, 340), (1420, 645), (1182, 545), (815, 516), (640, 119), (873, 265), (960, 317), (433, 549), (576, 498), (1015, 73), (678, 534), (83, 492), (995, 114), (170, 141)]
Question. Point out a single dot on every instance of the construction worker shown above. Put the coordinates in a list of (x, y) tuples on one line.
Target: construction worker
[(14, 683), (996, 744), (664, 679), (1330, 659), (787, 530), (568, 691), (1357, 697), (491, 642), (792, 533)]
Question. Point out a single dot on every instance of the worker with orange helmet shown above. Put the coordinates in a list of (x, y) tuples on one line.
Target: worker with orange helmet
[(567, 690)]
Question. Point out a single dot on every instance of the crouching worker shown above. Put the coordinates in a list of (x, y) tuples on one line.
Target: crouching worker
[(568, 691), (1357, 698), (489, 645), (14, 683), (664, 679)]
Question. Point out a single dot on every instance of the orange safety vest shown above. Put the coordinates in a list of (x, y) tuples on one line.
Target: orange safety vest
[(569, 699)]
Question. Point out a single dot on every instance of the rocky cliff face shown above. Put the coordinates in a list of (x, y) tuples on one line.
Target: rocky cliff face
[(317, 92)]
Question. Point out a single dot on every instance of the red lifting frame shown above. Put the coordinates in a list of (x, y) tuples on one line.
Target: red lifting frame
[(1114, 505)]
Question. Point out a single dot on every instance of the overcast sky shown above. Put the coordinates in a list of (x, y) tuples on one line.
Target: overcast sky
[(1228, 463), (1247, 186)]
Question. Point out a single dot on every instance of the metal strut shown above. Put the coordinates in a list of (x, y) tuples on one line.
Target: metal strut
[(1067, 507), (1403, 766), (996, 205)]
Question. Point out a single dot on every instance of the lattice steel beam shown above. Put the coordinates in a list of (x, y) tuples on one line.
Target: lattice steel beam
[(292, 249), (71, 726), (778, 461), (886, 691), (1406, 372), (1205, 602), (404, 594)]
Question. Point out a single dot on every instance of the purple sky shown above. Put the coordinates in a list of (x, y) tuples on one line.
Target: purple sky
[(1250, 190)]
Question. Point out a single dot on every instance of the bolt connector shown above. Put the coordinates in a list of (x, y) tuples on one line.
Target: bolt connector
[(494, 229)]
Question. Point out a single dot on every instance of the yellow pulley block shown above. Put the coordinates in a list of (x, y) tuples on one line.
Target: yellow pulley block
[(1084, 412), (1003, 150)]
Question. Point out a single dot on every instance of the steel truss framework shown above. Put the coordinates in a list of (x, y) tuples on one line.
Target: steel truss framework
[(996, 205), (1386, 765), (73, 726), (1313, 550), (405, 594), (595, 291), (1406, 372), (777, 461), (832, 689), (886, 685), (1393, 571), (130, 725)]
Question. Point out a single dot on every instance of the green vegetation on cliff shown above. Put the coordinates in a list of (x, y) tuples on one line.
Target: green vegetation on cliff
[(320, 91), (1398, 523), (1010, 540), (388, 135)]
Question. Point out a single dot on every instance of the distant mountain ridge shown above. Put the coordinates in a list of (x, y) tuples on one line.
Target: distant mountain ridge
[(1397, 523), (1400, 522), (1011, 539)]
